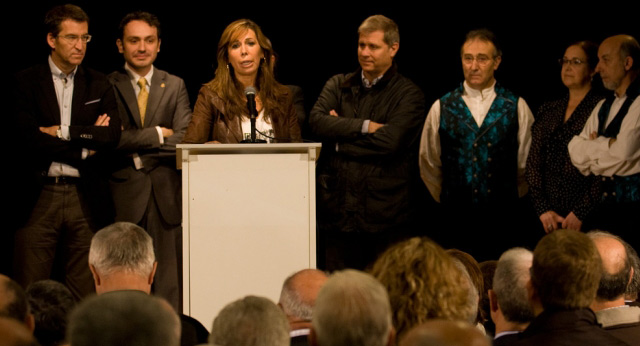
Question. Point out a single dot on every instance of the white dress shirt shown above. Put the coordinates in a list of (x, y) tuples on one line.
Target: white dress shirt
[(63, 84), (597, 156)]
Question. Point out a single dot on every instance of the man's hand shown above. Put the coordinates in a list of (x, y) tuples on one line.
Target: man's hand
[(51, 130), (333, 113), (550, 221), (166, 132), (374, 126), (102, 120), (572, 222)]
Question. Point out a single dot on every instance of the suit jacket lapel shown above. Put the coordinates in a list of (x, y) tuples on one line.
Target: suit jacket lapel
[(50, 97), (79, 97), (156, 93), (123, 84)]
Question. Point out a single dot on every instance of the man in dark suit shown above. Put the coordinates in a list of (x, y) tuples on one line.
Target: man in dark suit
[(155, 112), (66, 118), (565, 273)]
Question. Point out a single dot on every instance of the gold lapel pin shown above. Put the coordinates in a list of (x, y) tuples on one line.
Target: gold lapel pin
[(162, 85)]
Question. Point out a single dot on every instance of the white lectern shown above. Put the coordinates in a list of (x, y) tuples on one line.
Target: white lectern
[(249, 221)]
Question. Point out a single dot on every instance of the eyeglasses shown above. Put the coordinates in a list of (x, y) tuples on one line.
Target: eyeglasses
[(73, 39), (481, 59), (573, 62)]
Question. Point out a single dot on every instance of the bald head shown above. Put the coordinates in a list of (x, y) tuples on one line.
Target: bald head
[(616, 267), (299, 292), (14, 333), (619, 62), (444, 333), (13, 302)]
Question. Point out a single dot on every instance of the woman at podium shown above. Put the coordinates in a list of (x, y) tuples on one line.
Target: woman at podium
[(243, 83)]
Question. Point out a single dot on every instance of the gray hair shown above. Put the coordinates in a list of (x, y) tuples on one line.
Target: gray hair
[(634, 286), (384, 24), (124, 318), (352, 309), (122, 246), (250, 321), (510, 284), (296, 300)]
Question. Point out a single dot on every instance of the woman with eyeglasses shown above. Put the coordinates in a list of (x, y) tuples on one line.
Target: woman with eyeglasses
[(221, 114), (562, 196)]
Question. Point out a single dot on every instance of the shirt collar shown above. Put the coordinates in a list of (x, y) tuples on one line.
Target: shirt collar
[(56, 72), (507, 332), (135, 77), (299, 332), (484, 93), (366, 82)]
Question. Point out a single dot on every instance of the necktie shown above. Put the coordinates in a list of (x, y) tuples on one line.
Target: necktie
[(143, 96)]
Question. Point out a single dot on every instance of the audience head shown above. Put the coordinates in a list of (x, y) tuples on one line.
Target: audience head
[(50, 302), (634, 285), (510, 285), (14, 333), (488, 269), (566, 270), (616, 267), (13, 302), (124, 318), (444, 333), (472, 268), (423, 283), (352, 309), (250, 321), (122, 248), (299, 292)]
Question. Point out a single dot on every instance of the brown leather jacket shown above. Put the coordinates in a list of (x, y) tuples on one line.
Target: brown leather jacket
[(209, 122)]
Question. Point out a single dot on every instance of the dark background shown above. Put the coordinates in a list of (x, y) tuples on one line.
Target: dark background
[(316, 40)]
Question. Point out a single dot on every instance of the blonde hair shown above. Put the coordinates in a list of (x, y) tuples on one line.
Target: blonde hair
[(423, 283)]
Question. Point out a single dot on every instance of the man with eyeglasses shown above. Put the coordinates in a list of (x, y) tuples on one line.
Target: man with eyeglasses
[(67, 119), (609, 144), (155, 111), (474, 148)]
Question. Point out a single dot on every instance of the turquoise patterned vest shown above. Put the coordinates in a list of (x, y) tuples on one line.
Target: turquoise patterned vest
[(619, 188), (479, 164)]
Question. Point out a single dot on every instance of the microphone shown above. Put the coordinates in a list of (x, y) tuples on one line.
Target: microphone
[(250, 93)]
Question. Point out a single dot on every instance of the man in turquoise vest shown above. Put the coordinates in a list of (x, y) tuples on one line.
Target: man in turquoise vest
[(475, 144), (609, 144)]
